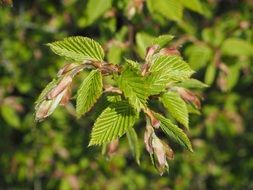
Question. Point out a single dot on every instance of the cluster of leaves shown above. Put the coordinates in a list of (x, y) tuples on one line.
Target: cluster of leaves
[(162, 77)]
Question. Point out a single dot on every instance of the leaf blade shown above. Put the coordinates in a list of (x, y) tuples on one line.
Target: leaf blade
[(133, 86), (176, 107), (89, 92), (78, 48), (113, 123)]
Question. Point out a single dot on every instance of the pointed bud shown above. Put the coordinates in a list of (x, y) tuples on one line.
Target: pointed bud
[(154, 122), (66, 97), (47, 107), (150, 52), (42, 111), (189, 96), (162, 152), (112, 147), (169, 51)]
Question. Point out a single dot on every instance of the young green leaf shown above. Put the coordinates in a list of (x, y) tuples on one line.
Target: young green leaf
[(113, 122), (10, 116), (172, 68), (143, 41), (134, 144), (78, 48), (198, 55), (176, 107), (192, 83), (162, 40), (88, 93), (174, 132), (170, 9), (194, 5), (210, 74), (93, 11), (133, 86), (157, 82)]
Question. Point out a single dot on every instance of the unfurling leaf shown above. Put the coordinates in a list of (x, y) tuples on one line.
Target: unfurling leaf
[(88, 93), (78, 48), (192, 83), (113, 122), (174, 132)]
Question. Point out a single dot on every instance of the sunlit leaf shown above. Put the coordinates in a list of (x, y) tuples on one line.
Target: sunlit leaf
[(133, 86), (113, 122), (78, 48), (176, 107), (88, 93)]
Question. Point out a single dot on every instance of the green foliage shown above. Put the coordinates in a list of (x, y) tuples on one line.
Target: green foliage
[(133, 82)]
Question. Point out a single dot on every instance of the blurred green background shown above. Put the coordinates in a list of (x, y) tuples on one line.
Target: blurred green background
[(214, 36)]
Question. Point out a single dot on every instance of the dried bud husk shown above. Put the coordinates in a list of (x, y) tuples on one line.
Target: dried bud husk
[(150, 52), (162, 152), (189, 96), (65, 99), (112, 147), (157, 148), (109, 68), (67, 68), (169, 51), (154, 122), (47, 107), (148, 138), (64, 83), (43, 109)]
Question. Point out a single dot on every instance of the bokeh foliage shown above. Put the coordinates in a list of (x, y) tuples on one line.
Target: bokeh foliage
[(215, 37)]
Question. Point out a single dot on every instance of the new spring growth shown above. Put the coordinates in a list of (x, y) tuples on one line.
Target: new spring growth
[(60, 93), (159, 151)]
